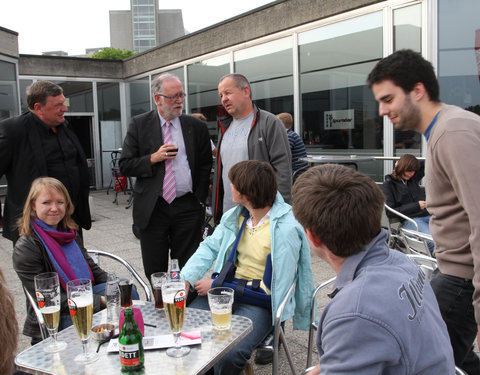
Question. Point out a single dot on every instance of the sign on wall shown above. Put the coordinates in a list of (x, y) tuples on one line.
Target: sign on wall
[(342, 119)]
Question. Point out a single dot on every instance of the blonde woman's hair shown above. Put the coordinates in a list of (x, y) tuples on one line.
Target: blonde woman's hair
[(24, 223), (8, 328)]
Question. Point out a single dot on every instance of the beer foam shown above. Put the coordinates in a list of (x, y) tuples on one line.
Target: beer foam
[(83, 301), (168, 298), (50, 309)]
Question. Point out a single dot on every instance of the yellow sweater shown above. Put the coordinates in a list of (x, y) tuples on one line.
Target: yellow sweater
[(253, 249)]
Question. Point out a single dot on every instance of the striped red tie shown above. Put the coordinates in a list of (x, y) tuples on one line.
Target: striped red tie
[(169, 192)]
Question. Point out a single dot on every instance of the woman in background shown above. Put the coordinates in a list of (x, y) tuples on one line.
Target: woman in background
[(403, 193)]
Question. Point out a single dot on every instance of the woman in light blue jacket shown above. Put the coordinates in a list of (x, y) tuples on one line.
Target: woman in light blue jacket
[(271, 235)]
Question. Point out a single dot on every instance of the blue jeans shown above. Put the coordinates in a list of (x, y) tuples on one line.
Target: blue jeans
[(236, 359), (423, 227), (455, 296)]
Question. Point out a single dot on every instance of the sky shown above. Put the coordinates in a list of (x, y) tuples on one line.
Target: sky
[(74, 25)]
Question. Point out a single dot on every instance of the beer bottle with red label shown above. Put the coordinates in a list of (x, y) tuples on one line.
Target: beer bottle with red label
[(130, 345)]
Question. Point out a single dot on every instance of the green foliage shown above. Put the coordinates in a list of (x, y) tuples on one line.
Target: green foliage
[(113, 54)]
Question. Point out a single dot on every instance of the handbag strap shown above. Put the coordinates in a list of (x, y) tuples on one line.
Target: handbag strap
[(233, 253), (228, 269)]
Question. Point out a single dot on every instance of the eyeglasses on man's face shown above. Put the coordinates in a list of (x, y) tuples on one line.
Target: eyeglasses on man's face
[(174, 97)]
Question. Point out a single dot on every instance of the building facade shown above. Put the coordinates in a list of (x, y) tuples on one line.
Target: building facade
[(144, 26), (309, 58)]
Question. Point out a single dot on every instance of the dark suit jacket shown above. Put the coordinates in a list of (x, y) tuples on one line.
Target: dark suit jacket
[(22, 160), (143, 138)]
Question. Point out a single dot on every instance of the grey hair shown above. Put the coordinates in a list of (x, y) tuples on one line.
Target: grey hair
[(157, 83), (239, 80)]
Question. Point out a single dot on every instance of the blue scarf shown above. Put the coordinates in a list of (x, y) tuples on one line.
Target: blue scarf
[(64, 253)]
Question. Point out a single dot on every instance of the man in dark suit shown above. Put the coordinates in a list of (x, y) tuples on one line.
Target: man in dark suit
[(170, 156), (38, 143)]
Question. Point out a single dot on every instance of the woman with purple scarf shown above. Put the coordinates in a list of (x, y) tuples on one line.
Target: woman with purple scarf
[(49, 243)]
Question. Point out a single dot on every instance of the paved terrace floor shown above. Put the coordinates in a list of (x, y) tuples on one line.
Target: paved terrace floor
[(111, 231)]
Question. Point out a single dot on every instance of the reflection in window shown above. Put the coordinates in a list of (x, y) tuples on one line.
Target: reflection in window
[(338, 109), (79, 95), (459, 53), (108, 95), (8, 90), (269, 68), (108, 101), (203, 80), (138, 99), (407, 28), (407, 33), (24, 83)]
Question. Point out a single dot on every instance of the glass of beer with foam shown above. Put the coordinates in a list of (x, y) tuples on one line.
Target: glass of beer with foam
[(80, 304), (47, 292), (174, 300)]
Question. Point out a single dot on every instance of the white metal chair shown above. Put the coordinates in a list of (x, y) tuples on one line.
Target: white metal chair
[(38, 314), (279, 335), (313, 323), (426, 263), (94, 254), (395, 240), (416, 242)]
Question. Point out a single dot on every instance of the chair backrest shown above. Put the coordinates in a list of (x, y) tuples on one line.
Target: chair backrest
[(38, 314), (426, 263), (395, 240), (313, 324), (94, 254), (415, 241), (279, 335)]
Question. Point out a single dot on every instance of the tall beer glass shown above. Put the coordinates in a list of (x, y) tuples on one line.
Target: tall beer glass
[(80, 303), (174, 299), (47, 292)]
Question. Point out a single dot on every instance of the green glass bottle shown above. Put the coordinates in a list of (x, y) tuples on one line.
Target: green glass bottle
[(130, 345)]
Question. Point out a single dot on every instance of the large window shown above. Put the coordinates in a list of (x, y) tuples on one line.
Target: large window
[(8, 90), (108, 95), (24, 83), (407, 33), (338, 110), (78, 94), (269, 68), (459, 53), (203, 80), (138, 99)]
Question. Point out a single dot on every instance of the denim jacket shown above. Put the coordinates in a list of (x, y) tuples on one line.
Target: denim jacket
[(290, 257)]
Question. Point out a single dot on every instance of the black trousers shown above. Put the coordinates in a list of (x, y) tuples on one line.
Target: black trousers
[(176, 227), (455, 296)]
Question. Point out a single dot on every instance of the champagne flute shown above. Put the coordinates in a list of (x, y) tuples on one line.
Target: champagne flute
[(80, 303), (174, 299), (47, 292)]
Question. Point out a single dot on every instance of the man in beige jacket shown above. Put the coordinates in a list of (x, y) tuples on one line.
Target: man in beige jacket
[(406, 88)]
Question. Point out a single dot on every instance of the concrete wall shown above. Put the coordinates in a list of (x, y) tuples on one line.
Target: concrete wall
[(270, 19), (121, 33), (34, 65), (8, 42), (169, 25)]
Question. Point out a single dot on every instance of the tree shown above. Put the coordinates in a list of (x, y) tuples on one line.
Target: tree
[(113, 54)]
